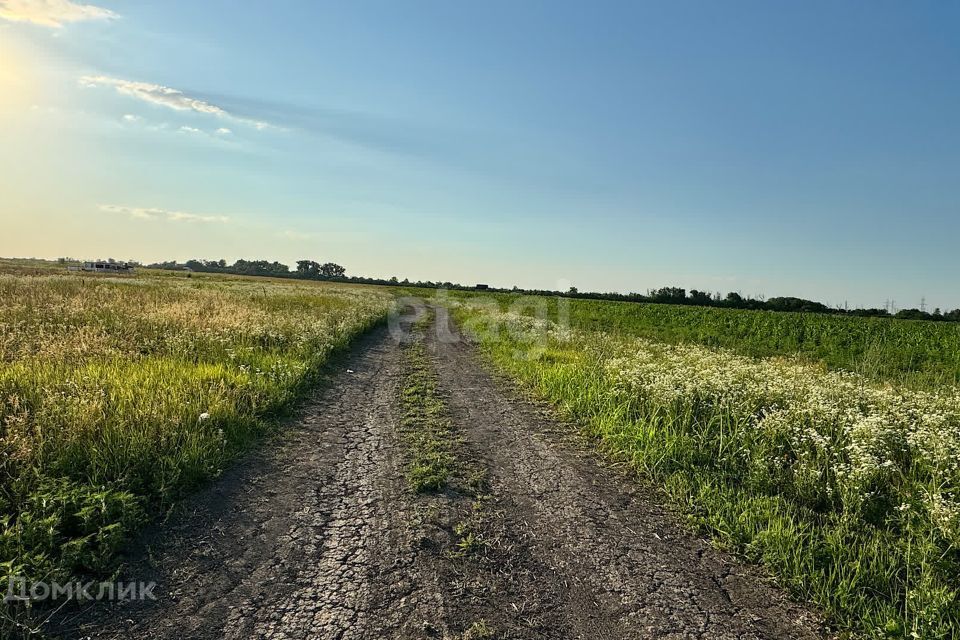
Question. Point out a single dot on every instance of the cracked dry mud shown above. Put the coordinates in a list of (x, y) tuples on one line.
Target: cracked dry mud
[(316, 535)]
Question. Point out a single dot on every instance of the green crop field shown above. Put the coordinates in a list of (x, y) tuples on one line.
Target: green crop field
[(844, 485), (117, 395), (912, 352)]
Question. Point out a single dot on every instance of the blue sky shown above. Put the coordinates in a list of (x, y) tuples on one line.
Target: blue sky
[(807, 149)]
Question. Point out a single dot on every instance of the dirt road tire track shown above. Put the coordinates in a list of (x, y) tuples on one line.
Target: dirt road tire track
[(318, 536)]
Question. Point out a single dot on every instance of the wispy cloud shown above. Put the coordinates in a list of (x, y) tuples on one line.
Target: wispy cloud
[(291, 234), (168, 97), (142, 213), (220, 134), (382, 132), (52, 13)]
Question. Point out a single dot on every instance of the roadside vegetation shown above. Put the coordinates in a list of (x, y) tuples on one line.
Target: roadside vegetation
[(846, 488), (118, 395)]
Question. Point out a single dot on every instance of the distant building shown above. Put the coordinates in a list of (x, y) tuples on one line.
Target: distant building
[(482, 287), (101, 266)]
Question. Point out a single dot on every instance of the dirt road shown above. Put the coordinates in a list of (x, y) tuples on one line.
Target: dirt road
[(318, 535)]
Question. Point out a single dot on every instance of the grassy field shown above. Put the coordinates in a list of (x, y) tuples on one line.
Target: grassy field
[(826, 448), (846, 487), (905, 352), (119, 394)]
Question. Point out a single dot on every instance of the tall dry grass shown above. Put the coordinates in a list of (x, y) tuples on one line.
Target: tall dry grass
[(118, 395)]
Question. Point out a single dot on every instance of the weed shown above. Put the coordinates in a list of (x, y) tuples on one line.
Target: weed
[(478, 631)]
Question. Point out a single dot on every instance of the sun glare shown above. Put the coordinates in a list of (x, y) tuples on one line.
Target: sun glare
[(17, 89)]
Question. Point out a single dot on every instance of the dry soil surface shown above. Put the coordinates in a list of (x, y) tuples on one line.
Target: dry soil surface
[(316, 535)]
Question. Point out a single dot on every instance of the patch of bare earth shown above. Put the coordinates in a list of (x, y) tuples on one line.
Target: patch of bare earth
[(318, 535)]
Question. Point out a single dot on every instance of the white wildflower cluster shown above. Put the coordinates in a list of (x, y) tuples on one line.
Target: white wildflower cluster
[(853, 438)]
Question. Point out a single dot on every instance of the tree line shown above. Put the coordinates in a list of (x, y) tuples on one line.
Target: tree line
[(313, 270), (307, 269)]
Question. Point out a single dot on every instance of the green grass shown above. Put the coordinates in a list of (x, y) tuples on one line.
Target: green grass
[(847, 490), (479, 631), (120, 395), (914, 352), (425, 427)]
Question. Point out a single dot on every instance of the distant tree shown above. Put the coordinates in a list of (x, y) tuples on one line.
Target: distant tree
[(332, 270), (308, 268), (259, 268), (869, 312), (700, 297), (573, 291), (670, 294), (796, 304), (734, 299), (912, 314)]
